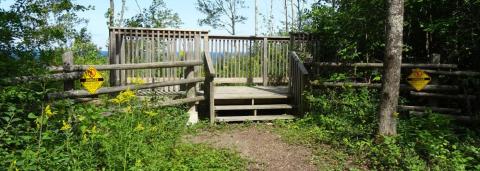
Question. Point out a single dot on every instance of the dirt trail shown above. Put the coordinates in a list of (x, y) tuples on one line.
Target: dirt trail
[(264, 148)]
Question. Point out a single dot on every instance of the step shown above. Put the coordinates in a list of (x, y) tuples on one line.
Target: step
[(250, 96), (252, 118), (253, 107)]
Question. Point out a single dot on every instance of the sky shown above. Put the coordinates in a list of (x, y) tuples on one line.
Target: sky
[(186, 10)]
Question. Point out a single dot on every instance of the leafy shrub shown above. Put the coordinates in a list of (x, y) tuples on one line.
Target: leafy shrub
[(121, 133), (347, 118)]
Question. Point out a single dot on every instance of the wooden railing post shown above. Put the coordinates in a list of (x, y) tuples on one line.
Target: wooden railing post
[(67, 58), (209, 89), (299, 79), (264, 62)]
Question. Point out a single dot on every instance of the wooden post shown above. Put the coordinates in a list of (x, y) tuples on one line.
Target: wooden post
[(209, 89), (111, 56), (67, 58), (264, 62), (434, 60)]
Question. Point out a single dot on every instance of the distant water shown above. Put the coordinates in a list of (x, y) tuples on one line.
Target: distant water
[(214, 55), (104, 53)]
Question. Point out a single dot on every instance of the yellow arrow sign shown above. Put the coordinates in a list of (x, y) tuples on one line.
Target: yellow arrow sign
[(418, 79), (91, 80)]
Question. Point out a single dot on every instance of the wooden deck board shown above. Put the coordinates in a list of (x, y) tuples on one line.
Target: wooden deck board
[(253, 107), (253, 118), (256, 92)]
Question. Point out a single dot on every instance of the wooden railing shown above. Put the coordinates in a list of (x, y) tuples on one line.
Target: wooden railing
[(152, 45), (298, 81), (250, 59), (209, 86), (70, 72)]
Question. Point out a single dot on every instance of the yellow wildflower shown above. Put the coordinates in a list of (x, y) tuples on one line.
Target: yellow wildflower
[(127, 109), (94, 129), (66, 126), (137, 80), (81, 118), (138, 163), (151, 113), (84, 138), (139, 127), (124, 96), (48, 111)]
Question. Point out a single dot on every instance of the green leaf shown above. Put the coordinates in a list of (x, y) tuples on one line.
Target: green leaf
[(32, 116)]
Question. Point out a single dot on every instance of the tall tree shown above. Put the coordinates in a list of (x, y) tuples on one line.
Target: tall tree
[(111, 14), (392, 63), (286, 15), (157, 15), (256, 17), (223, 14)]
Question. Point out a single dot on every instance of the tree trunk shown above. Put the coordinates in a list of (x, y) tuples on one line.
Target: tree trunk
[(122, 12), (111, 12), (392, 64), (286, 16), (256, 16), (299, 15)]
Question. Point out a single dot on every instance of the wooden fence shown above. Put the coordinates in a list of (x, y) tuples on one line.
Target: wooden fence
[(462, 101), (71, 72)]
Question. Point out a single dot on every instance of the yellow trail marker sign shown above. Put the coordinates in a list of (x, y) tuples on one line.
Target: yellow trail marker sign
[(418, 79), (91, 80)]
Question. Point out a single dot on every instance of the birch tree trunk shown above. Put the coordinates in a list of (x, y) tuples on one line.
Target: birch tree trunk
[(286, 15), (392, 63), (111, 13)]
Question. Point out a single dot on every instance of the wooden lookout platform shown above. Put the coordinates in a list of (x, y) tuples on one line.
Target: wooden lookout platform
[(243, 77)]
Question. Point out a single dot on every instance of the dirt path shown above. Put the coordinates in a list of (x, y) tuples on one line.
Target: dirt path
[(264, 148)]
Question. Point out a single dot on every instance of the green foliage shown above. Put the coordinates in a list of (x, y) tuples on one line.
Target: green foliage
[(222, 14), (354, 31), (157, 15), (121, 133), (347, 119)]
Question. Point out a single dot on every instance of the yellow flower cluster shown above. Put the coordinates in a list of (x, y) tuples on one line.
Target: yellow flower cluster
[(151, 113), (139, 127), (137, 80), (124, 96), (92, 132), (66, 126), (48, 111)]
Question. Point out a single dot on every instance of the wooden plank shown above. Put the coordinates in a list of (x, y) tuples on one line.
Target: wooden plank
[(301, 66), (255, 80), (280, 38), (264, 62), (180, 101), (433, 109), (462, 118), (50, 77), (250, 96), (105, 90), (380, 65), (378, 85), (139, 65), (253, 118), (438, 95), (253, 107), (454, 73)]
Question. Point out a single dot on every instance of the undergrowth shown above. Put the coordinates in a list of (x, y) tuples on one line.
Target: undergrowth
[(347, 119), (123, 133)]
